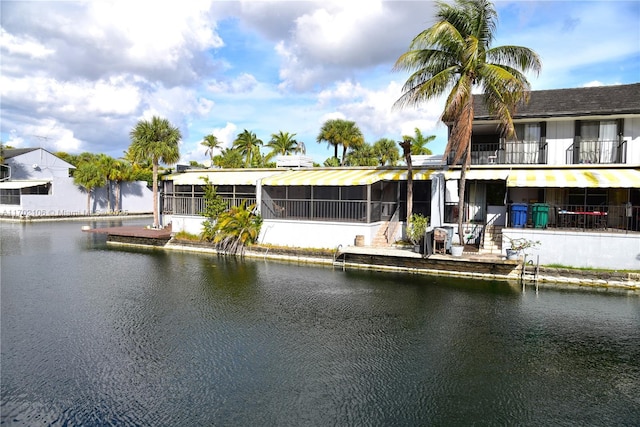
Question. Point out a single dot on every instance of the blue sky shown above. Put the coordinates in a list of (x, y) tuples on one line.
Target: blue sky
[(77, 76)]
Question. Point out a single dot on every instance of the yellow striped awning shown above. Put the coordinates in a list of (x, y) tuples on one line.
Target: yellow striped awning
[(576, 178), (343, 176), (479, 174), (221, 177)]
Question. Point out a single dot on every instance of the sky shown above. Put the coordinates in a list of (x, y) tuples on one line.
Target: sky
[(77, 76)]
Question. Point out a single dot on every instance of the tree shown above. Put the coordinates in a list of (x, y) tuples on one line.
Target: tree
[(386, 151), (282, 143), (107, 165), (419, 142), (364, 155), (228, 159), (246, 142), (237, 227), (212, 144), (155, 140), (122, 172), (406, 152), (88, 176), (341, 132), (455, 56)]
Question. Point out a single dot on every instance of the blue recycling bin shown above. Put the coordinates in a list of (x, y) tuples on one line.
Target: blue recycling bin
[(518, 215)]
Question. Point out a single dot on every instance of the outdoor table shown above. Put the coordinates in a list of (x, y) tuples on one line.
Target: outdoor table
[(586, 219)]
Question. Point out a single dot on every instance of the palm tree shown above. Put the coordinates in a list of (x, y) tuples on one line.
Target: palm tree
[(419, 142), (212, 144), (386, 151), (406, 152), (454, 56), (107, 165), (156, 140), (282, 143), (341, 132), (246, 142), (364, 155), (88, 176), (122, 171)]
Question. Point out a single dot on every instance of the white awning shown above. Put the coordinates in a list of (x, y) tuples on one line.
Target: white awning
[(575, 178), (18, 184)]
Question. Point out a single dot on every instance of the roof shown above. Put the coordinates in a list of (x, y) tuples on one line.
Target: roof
[(8, 153), (584, 101), (220, 176), (343, 176)]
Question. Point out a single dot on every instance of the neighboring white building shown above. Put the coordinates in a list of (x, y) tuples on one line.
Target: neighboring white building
[(35, 183)]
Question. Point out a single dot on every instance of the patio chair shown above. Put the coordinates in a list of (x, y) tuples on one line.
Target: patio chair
[(440, 236)]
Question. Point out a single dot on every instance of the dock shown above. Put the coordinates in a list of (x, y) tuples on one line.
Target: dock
[(135, 235)]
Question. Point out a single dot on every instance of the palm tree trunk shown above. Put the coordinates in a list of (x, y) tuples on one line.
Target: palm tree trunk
[(118, 184), (88, 202), (406, 151), (461, 193), (156, 216)]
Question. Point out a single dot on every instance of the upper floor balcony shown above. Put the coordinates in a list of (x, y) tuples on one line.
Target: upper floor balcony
[(503, 152), (598, 151)]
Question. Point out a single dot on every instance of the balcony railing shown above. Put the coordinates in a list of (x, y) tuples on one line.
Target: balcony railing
[(597, 152), (611, 218), (508, 153), (187, 205)]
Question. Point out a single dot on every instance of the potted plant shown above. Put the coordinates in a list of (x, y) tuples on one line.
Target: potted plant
[(416, 229), (518, 245)]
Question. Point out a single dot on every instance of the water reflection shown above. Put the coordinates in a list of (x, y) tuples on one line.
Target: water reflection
[(95, 335)]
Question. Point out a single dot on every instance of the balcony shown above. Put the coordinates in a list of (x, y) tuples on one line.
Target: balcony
[(508, 153), (597, 152), (608, 218)]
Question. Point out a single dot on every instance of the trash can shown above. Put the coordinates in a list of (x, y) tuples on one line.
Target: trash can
[(540, 215), (519, 215), (428, 242)]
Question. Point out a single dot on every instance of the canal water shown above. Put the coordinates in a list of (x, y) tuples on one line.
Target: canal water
[(97, 335)]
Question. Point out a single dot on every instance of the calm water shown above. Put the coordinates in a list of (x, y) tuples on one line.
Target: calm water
[(93, 335)]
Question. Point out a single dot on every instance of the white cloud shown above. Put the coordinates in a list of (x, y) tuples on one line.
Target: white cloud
[(26, 46)]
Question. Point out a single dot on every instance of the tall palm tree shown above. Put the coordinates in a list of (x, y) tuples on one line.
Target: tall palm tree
[(156, 140), (419, 142), (89, 176), (453, 57), (212, 143), (282, 143), (341, 132), (246, 142)]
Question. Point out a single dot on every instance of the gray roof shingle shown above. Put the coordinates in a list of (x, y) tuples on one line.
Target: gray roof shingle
[(585, 101)]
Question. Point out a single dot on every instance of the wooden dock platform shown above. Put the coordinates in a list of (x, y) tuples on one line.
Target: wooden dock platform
[(135, 235)]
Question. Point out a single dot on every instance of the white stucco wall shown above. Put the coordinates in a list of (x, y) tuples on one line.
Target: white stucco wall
[(581, 249)]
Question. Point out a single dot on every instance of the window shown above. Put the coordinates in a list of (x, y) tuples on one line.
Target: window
[(597, 141), (526, 148)]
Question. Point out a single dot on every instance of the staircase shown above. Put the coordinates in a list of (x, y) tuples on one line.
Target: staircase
[(492, 240), (381, 240)]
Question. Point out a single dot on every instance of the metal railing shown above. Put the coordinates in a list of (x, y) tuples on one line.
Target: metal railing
[(316, 210), (610, 218), (186, 205), (597, 152), (508, 153)]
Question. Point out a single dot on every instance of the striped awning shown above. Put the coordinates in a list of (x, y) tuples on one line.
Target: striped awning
[(576, 178), (479, 174), (221, 177), (343, 176), (16, 185)]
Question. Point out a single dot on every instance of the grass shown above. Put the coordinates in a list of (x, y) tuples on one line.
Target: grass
[(599, 270)]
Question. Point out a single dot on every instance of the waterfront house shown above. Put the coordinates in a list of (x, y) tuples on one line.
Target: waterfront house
[(569, 179), (37, 183)]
